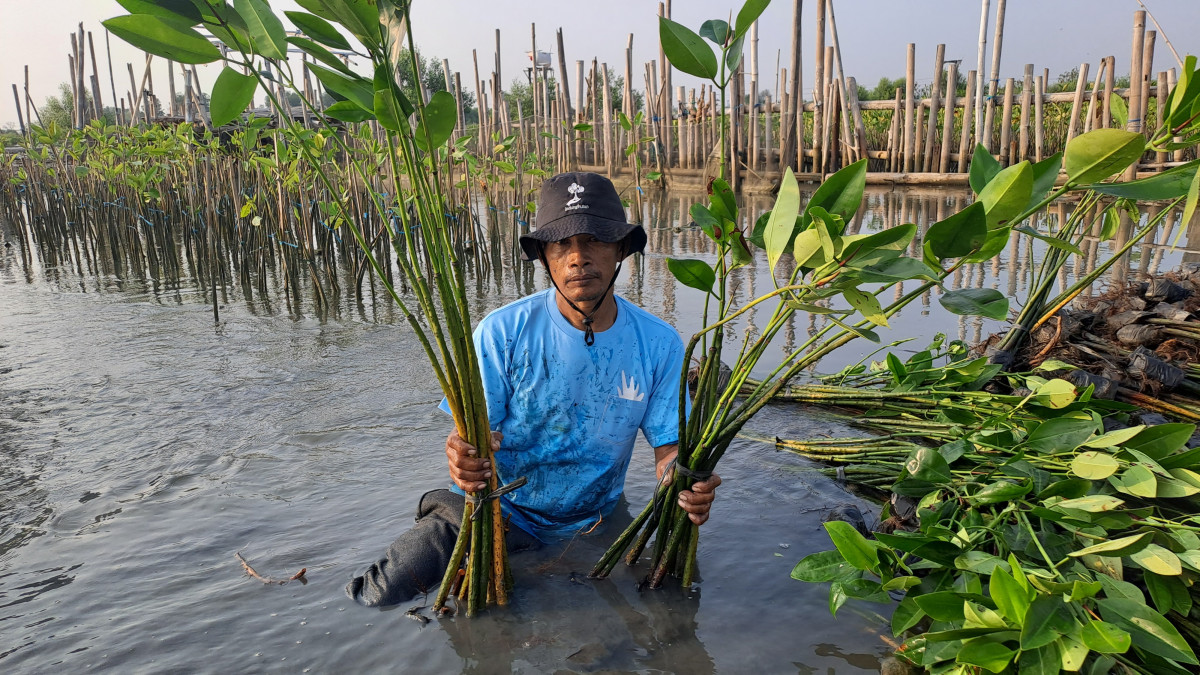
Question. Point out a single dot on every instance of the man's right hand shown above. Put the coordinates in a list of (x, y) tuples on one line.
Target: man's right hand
[(467, 470)]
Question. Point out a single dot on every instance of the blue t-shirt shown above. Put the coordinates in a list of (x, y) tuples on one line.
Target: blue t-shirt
[(569, 412)]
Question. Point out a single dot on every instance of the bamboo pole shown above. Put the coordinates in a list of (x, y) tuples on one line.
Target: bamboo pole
[(819, 91), (1039, 126), (97, 101), (790, 145), (111, 80), (857, 151), (948, 123), (994, 80), (1093, 116), (1110, 79), (860, 128), (977, 112), (1136, 58), (20, 118), (1006, 123), (964, 141), (1023, 126), (566, 107), (896, 135), (1077, 103), (935, 97), (609, 163), (910, 105)]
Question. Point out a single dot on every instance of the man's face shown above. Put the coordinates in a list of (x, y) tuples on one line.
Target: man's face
[(582, 266)]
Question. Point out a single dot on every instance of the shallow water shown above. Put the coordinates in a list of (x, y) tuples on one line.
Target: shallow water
[(143, 446)]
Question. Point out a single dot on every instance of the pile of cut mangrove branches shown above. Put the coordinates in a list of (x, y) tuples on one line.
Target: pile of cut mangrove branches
[(1038, 528)]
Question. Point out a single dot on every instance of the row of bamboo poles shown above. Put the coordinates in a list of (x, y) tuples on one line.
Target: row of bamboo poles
[(677, 133)]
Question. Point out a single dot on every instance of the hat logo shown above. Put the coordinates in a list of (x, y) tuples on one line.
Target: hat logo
[(575, 189)]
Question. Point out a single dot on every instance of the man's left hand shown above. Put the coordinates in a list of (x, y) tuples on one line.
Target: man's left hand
[(698, 500)]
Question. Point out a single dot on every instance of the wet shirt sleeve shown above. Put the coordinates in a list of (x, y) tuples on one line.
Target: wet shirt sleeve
[(661, 423)]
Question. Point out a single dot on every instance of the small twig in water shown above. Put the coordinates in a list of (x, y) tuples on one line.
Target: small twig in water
[(298, 576)]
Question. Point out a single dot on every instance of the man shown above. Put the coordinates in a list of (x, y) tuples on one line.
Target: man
[(570, 375)]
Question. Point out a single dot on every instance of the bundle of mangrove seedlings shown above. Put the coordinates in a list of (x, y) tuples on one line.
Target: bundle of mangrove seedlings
[(413, 198)]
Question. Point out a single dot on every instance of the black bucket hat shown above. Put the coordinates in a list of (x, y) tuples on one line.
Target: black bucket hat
[(580, 203)]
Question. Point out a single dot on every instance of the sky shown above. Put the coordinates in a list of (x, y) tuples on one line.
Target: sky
[(1054, 34)]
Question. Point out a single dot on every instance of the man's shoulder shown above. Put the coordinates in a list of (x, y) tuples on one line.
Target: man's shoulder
[(517, 311)]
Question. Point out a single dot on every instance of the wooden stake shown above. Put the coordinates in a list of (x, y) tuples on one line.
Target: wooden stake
[(1137, 56), (964, 140), (994, 80), (977, 111), (819, 90), (1077, 103), (910, 109), (1039, 127), (1006, 154), (935, 100), (948, 123), (1023, 126)]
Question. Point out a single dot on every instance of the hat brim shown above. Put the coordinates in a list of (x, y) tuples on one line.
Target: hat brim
[(610, 231)]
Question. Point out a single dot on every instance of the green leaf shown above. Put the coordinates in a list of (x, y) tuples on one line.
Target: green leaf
[(1044, 660), (357, 90), (179, 10), (891, 271), (733, 55), (1118, 109), (1170, 184), (1105, 638), (783, 219), (723, 201), (1157, 559), (991, 656), (318, 29), (747, 15), (1007, 194), (1116, 547), (854, 547), (1000, 491), (862, 250), (942, 605), (1067, 488), (392, 108), (840, 194), (1161, 440), (361, 17), (824, 567), (857, 330), (1061, 434), (1010, 598), (1149, 629), (1046, 619), (1101, 153), (319, 53), (436, 121), (266, 31), (906, 615), (961, 234), (979, 562), (1189, 204), (987, 302), (715, 30), (1055, 394), (807, 244), (1056, 242), (867, 305), (231, 94), (1163, 590), (1139, 481), (984, 168), (348, 112), (1114, 438), (693, 273), (927, 464), (168, 38), (1091, 503), (686, 50), (1045, 173)]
